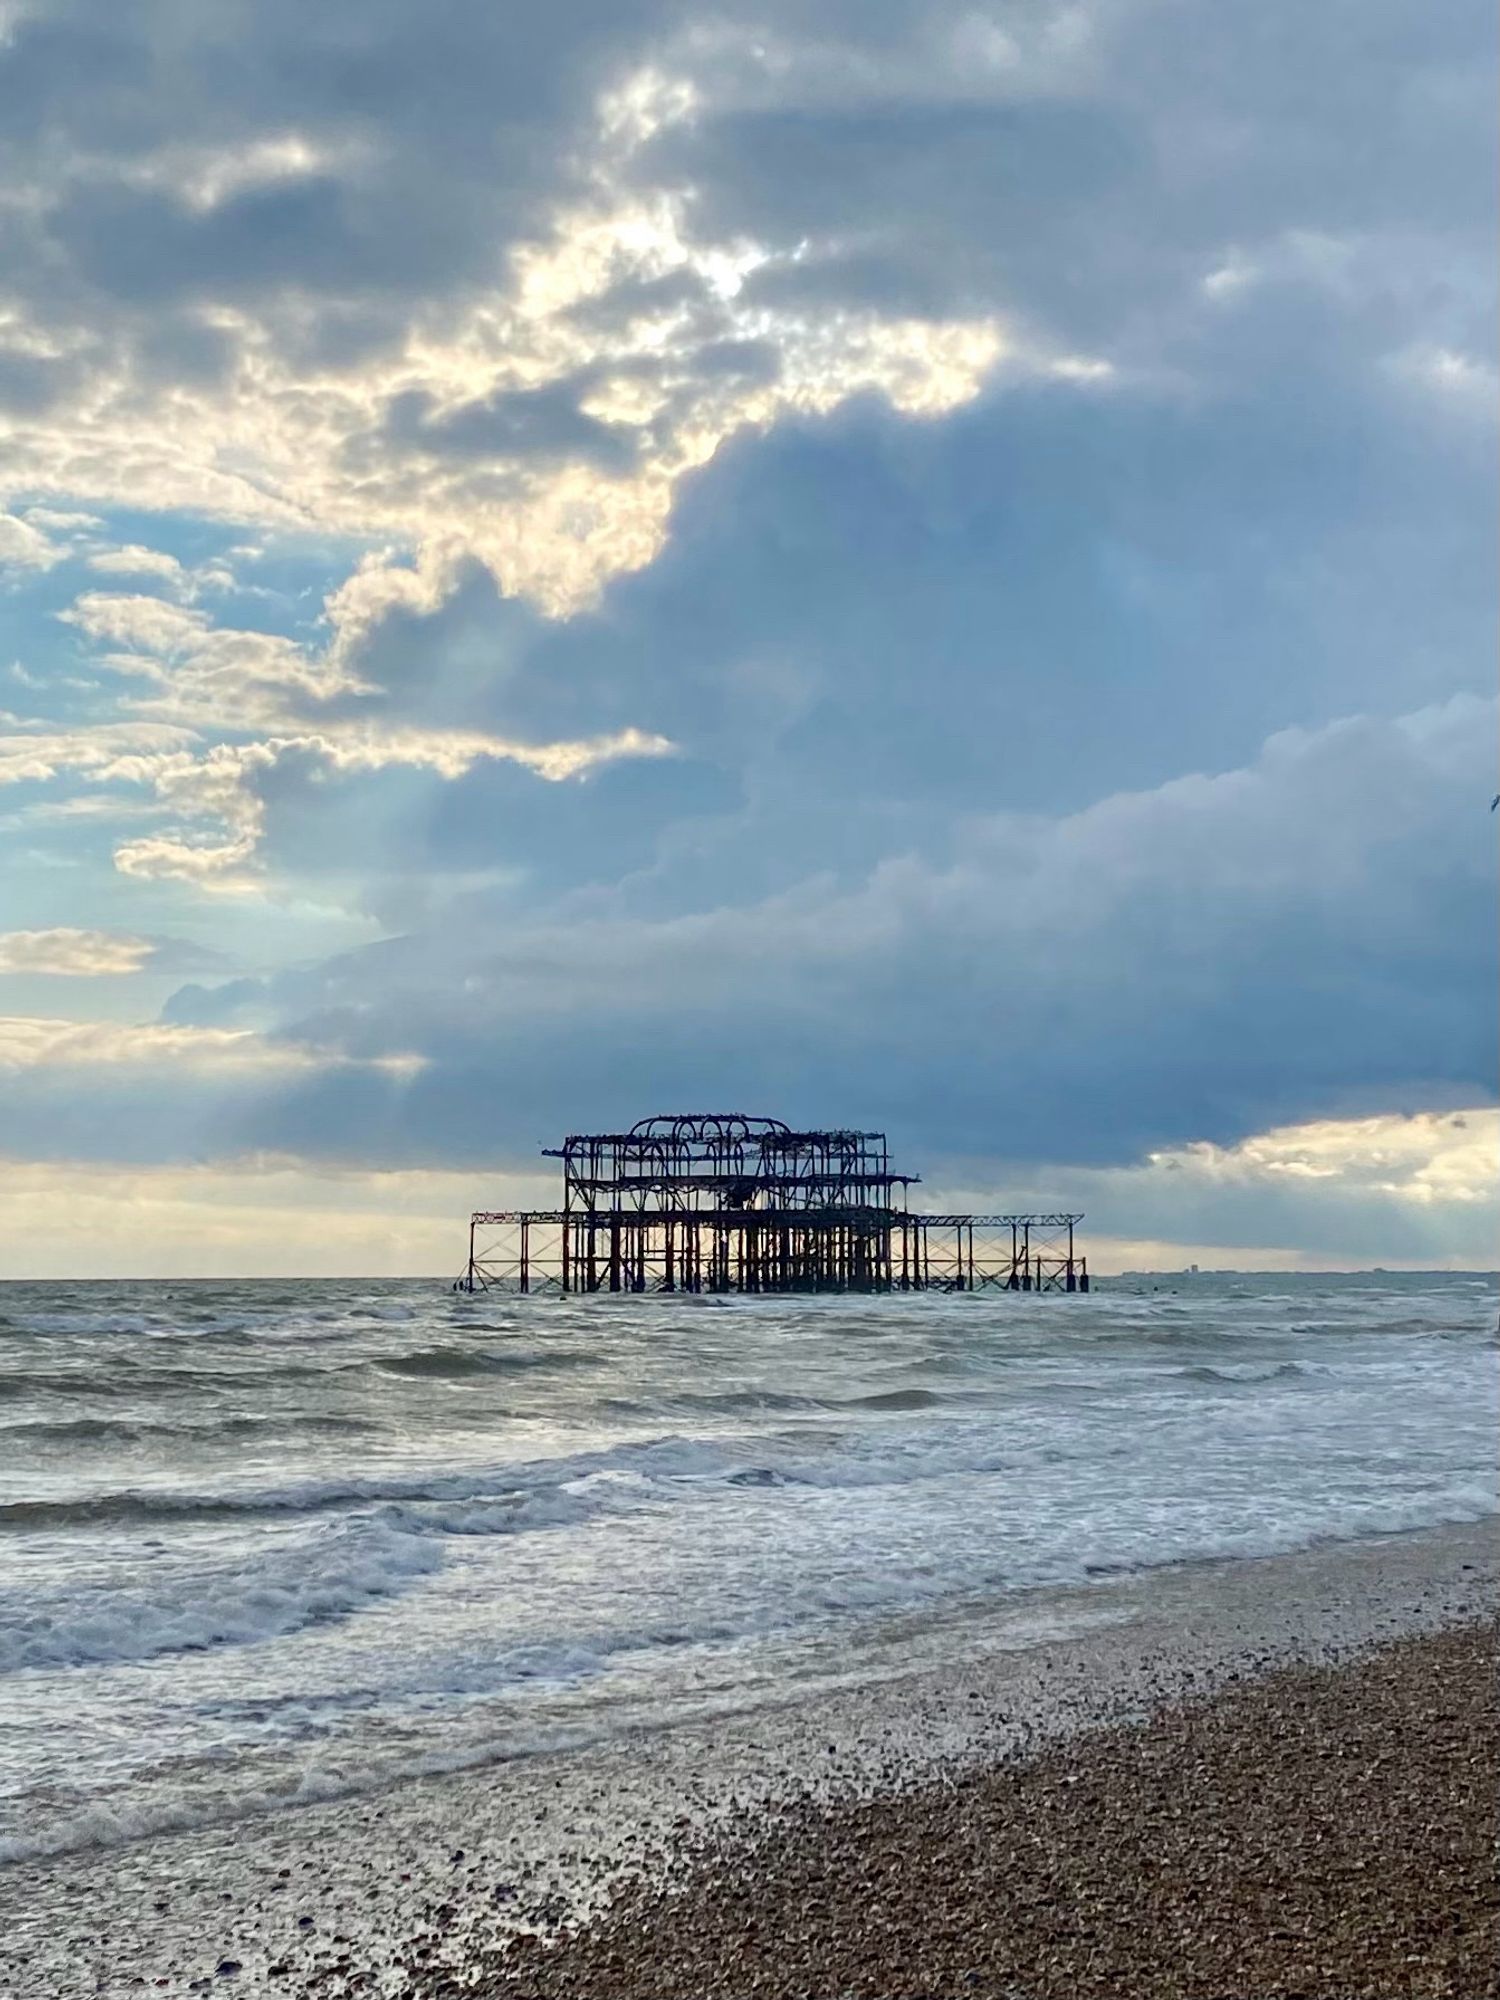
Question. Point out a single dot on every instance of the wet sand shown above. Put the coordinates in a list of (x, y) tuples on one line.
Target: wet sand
[(416, 1890)]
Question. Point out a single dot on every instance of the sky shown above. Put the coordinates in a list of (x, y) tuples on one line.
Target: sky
[(919, 566)]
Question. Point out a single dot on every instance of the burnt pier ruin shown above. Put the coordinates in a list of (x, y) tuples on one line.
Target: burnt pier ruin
[(724, 1203)]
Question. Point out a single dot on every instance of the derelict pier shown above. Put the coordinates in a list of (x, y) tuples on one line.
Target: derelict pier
[(724, 1203)]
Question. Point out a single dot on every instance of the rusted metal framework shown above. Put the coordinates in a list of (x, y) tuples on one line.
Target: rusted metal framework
[(725, 1203)]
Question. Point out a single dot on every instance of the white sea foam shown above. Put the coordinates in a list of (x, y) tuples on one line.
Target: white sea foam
[(364, 1529), (115, 1823), (1241, 1398), (265, 1595)]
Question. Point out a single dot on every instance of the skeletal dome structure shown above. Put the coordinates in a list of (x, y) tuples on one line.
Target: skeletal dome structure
[(722, 1202)]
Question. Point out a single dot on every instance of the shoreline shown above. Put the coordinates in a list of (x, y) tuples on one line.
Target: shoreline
[(340, 1892), (1316, 1830)]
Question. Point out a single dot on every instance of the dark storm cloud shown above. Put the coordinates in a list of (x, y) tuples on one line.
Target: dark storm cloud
[(619, 305), (316, 232), (1038, 601), (459, 113), (752, 360), (30, 383), (525, 424), (1088, 194), (1306, 937)]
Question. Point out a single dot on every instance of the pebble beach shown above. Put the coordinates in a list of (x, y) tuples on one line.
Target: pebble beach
[(1327, 1831), (1267, 1777)]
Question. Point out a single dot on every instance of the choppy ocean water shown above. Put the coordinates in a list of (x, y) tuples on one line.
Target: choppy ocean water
[(262, 1542)]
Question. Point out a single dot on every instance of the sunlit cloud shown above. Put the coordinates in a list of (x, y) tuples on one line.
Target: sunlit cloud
[(222, 814), (698, 548), (1465, 382), (76, 954), (31, 1042), (134, 560), (1417, 1190), (23, 545), (104, 752), (437, 430), (57, 520), (1427, 1157), (202, 681), (209, 792), (204, 177)]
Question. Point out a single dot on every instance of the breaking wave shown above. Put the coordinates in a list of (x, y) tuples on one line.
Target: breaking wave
[(264, 1596), (126, 1430), (265, 1546)]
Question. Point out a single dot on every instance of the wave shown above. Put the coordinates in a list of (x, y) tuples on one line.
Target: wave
[(726, 1402), (265, 1596), (454, 1363), (269, 1594), (108, 1825), (670, 1463), (1249, 1373), (140, 1505), (517, 1512), (123, 1430), (569, 1659), (72, 1323), (896, 1399), (732, 1402), (675, 1466), (831, 1454), (131, 1376), (136, 1380)]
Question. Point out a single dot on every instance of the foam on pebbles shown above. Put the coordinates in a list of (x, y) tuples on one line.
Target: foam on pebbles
[(1321, 1831), (958, 1820)]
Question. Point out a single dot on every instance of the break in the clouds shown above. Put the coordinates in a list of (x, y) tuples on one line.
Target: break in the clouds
[(926, 565)]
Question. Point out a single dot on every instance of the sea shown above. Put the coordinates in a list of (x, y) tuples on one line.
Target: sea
[(265, 1543)]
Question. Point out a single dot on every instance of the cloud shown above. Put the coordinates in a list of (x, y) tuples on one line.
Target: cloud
[(215, 797), (144, 624), (62, 520), (1432, 1160), (221, 796), (114, 751), (204, 178), (503, 310), (1463, 382), (73, 953), (1415, 1190), (914, 565), (204, 681), (1298, 939), (134, 560), (523, 424), (42, 1043), (468, 389), (24, 546), (1400, 1192), (202, 672)]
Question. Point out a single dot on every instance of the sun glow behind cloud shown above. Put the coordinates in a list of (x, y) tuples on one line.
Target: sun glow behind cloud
[(275, 441), (1427, 1158), (73, 954), (277, 1215), (803, 555), (51, 1044)]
